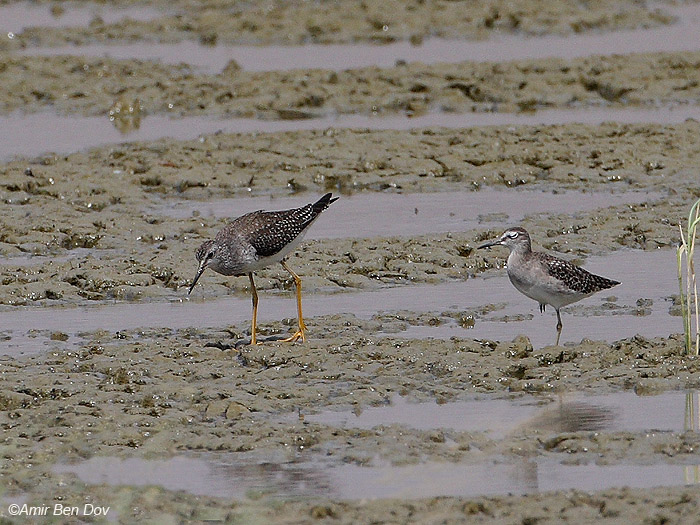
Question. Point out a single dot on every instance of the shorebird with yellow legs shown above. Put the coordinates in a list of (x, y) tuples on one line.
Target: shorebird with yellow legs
[(257, 240)]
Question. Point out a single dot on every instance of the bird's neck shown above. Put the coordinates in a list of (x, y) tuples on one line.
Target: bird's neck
[(518, 253)]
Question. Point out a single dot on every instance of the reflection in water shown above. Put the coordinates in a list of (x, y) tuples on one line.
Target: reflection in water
[(620, 412), (221, 478), (247, 475), (692, 419), (218, 476), (575, 416), (692, 424), (281, 480)]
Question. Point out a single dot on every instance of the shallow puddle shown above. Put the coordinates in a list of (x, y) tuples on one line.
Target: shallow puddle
[(646, 275), (620, 412), (348, 482), (415, 213), (681, 36), (16, 17), (37, 133), (638, 306), (245, 475)]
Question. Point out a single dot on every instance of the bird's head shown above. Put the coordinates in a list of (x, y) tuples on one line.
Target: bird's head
[(513, 238), (206, 253)]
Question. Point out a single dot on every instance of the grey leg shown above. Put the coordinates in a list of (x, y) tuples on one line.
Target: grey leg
[(559, 327)]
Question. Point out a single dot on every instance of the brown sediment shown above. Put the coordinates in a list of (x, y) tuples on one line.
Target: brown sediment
[(348, 21), (91, 220), (92, 86), (102, 203)]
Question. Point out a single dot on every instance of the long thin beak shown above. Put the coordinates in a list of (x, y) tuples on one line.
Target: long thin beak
[(200, 271), (489, 244)]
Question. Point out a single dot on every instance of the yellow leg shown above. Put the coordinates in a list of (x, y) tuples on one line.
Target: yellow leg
[(299, 334), (253, 328)]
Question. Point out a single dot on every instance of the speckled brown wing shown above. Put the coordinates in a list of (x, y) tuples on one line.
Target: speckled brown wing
[(268, 232), (573, 277)]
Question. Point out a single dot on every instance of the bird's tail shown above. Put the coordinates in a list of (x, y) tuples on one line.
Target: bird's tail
[(323, 203)]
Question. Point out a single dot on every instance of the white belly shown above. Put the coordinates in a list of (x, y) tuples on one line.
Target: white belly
[(264, 262)]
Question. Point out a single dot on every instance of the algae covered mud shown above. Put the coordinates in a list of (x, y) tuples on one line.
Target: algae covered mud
[(428, 389)]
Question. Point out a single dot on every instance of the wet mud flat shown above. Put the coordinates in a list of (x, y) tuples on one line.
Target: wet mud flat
[(389, 412), (150, 395), (157, 393), (340, 22), (413, 88), (154, 392), (124, 224), (98, 226)]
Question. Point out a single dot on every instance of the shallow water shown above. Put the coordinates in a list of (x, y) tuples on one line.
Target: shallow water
[(242, 475), (654, 272), (37, 133), (571, 412), (681, 36), (416, 213), (348, 482)]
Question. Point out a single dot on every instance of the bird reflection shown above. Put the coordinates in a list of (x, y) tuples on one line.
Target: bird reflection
[(572, 416), (283, 480)]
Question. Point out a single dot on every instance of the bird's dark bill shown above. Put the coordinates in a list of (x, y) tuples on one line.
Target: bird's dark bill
[(488, 245), (200, 271)]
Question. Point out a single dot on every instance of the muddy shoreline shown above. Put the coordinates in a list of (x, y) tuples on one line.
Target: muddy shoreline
[(124, 394), (94, 228), (103, 203), (346, 21), (61, 83)]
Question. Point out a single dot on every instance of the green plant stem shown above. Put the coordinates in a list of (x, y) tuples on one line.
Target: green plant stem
[(689, 299)]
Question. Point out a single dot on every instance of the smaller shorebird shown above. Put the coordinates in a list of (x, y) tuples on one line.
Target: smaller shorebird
[(257, 240), (545, 278)]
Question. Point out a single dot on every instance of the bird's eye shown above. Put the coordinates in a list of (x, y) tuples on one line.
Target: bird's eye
[(512, 235), (209, 255)]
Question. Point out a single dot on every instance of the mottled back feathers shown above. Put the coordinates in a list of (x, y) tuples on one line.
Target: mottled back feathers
[(270, 231), (573, 277)]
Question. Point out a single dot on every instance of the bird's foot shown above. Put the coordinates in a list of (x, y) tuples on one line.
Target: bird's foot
[(254, 341), (296, 336)]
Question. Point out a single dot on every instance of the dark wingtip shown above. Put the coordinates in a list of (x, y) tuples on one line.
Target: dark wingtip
[(325, 201), (608, 283)]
